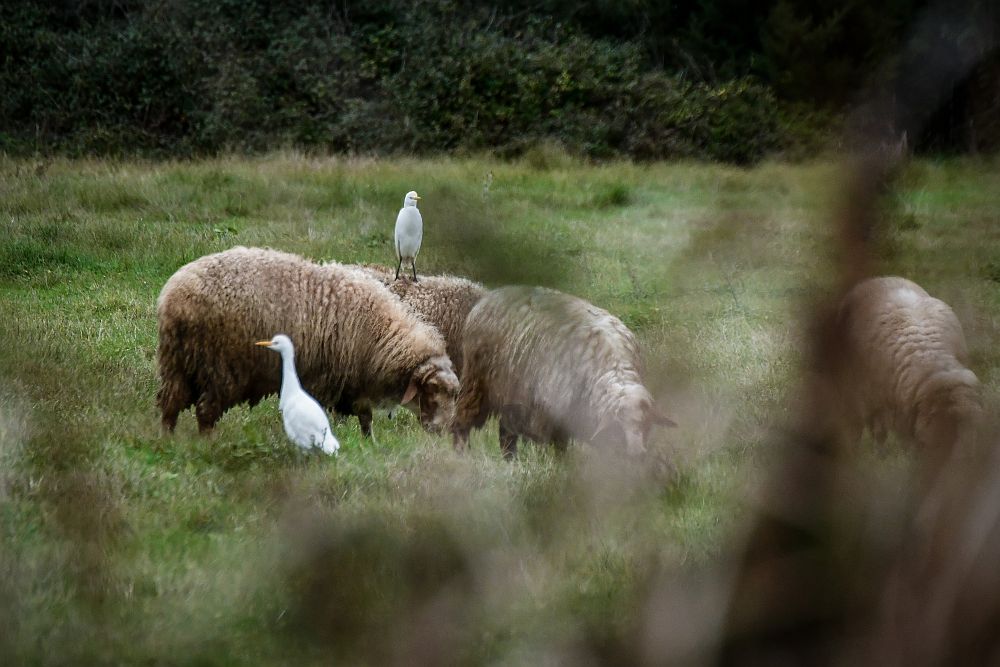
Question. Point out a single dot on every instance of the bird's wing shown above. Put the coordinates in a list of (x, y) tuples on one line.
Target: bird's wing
[(305, 421), (409, 230), (400, 230), (418, 229)]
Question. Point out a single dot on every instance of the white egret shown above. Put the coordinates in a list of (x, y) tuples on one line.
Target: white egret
[(409, 233), (305, 420)]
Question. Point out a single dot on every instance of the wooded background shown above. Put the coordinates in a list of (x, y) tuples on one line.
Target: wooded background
[(730, 80)]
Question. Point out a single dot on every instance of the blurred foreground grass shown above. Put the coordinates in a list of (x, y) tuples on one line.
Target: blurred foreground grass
[(120, 545)]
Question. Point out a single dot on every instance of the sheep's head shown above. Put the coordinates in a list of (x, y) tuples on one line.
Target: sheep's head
[(630, 418), (952, 415), (434, 388)]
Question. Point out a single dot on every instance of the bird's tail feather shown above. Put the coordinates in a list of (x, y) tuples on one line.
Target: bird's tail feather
[(330, 444)]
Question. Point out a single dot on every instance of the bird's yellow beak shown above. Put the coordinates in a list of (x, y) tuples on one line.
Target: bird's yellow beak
[(417, 197), (263, 343)]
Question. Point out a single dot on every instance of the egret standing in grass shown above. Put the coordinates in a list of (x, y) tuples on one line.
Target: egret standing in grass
[(409, 233), (305, 420)]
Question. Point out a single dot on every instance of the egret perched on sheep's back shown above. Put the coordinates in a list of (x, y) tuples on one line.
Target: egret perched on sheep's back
[(305, 420), (409, 233)]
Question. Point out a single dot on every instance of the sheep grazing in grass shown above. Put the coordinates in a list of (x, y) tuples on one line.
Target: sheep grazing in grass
[(443, 301), (906, 366), (357, 345), (552, 367)]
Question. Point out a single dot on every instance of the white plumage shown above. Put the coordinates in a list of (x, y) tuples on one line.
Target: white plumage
[(409, 233), (305, 420)]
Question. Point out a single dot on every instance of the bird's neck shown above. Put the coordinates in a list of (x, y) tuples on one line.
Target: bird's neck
[(289, 378)]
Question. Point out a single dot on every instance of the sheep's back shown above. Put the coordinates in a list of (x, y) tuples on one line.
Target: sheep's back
[(544, 349), (441, 301), (901, 340)]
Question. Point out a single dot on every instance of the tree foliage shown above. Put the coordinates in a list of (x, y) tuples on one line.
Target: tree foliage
[(714, 79)]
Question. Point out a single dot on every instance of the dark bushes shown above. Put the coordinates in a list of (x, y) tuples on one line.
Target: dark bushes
[(202, 76), (736, 121)]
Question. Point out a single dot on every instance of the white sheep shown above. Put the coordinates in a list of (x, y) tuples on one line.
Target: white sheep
[(357, 344), (552, 367), (906, 366)]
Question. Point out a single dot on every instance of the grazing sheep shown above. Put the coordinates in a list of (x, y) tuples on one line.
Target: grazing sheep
[(906, 366), (356, 344), (443, 301), (409, 233), (552, 367)]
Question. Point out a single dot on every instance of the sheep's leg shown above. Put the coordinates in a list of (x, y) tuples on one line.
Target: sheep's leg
[(413, 265), (508, 442), (173, 397), (399, 265), (469, 412), (176, 386), (171, 404), (460, 439), (169, 421), (365, 421), (208, 412)]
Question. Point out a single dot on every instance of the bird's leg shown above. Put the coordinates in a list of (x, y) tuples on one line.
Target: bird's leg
[(413, 265), (398, 265)]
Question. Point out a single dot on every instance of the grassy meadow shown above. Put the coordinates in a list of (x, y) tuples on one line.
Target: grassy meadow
[(119, 544)]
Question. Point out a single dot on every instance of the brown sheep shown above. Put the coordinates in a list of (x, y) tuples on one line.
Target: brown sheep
[(552, 367), (906, 369), (356, 344), (443, 301)]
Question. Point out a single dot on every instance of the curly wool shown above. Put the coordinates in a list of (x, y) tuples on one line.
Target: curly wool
[(356, 344), (552, 367), (442, 301), (907, 365)]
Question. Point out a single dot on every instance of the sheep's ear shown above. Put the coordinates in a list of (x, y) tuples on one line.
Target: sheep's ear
[(660, 418), (410, 393)]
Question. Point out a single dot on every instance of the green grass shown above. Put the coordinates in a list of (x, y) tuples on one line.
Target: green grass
[(121, 545)]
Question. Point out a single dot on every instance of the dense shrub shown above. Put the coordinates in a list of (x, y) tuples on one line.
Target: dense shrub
[(201, 76), (736, 121)]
